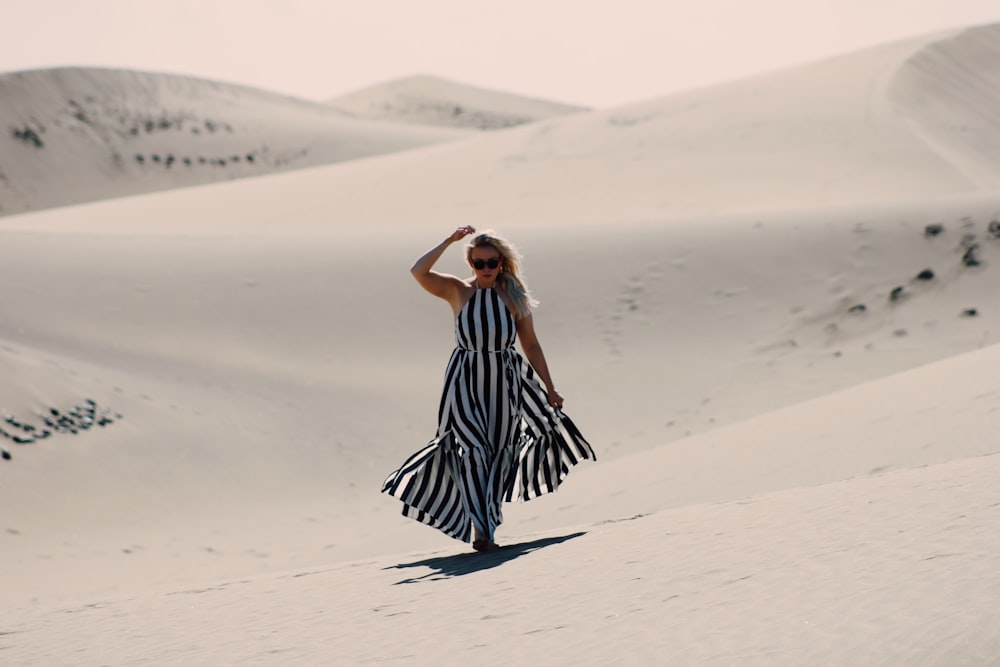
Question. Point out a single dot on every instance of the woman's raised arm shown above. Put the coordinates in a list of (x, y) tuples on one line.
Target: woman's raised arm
[(441, 285)]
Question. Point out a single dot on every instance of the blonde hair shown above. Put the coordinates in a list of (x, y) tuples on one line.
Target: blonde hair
[(509, 280)]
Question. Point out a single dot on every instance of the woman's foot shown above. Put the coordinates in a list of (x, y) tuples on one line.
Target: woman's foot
[(485, 545), (481, 542)]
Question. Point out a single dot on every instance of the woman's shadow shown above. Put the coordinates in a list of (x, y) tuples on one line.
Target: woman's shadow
[(445, 567)]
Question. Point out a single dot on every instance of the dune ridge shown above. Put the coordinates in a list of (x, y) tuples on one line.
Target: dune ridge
[(433, 101), (950, 92)]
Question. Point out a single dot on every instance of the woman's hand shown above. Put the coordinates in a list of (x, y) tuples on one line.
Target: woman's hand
[(555, 400), (461, 233)]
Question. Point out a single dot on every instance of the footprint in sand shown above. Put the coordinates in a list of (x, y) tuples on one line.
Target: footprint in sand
[(629, 302)]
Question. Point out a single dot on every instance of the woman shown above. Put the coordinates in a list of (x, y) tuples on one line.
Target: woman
[(500, 433)]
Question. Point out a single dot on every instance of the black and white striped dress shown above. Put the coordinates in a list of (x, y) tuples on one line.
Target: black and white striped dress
[(498, 438)]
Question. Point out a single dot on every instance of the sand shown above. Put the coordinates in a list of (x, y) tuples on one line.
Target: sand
[(794, 420)]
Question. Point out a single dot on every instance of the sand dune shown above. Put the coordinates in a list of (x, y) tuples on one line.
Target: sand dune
[(76, 135), (770, 306), (429, 100), (830, 134)]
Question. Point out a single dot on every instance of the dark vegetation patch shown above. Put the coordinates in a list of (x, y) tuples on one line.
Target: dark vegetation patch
[(28, 135), (77, 419)]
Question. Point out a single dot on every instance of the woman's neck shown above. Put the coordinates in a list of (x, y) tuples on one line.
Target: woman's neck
[(480, 285)]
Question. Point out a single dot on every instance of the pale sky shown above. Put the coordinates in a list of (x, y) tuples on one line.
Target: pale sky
[(597, 53)]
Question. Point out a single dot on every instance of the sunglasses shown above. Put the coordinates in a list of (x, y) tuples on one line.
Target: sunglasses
[(481, 264)]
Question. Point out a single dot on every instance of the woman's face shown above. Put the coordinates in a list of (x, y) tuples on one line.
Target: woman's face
[(488, 258)]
